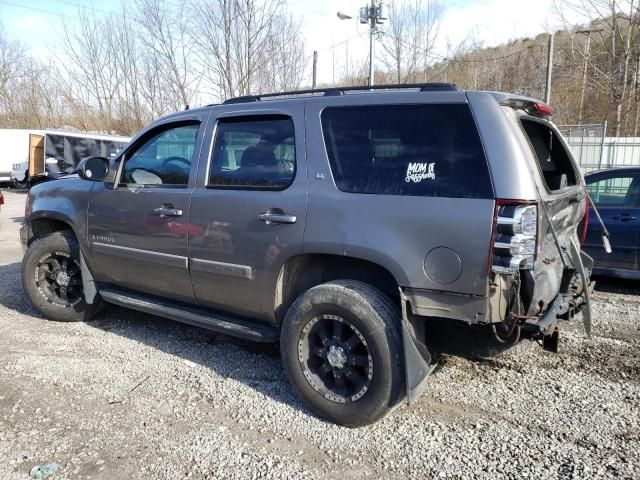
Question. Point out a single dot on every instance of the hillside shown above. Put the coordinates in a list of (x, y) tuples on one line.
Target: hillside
[(520, 67)]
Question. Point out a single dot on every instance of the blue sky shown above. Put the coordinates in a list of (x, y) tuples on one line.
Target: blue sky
[(38, 24)]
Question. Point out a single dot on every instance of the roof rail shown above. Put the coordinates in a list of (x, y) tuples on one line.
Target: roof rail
[(334, 91)]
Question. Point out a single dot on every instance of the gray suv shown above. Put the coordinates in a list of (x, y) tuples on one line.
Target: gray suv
[(344, 223)]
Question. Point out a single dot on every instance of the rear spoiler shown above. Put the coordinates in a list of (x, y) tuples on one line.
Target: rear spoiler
[(532, 107)]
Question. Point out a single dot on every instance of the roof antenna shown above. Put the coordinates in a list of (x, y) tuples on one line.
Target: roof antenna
[(186, 107)]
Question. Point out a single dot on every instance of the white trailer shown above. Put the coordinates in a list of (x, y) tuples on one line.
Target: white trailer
[(52, 152), (15, 150)]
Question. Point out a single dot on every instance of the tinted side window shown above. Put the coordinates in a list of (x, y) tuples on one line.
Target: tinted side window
[(163, 159), (428, 150), (254, 152), (614, 192)]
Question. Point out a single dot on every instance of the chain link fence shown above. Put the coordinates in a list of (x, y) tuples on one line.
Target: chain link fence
[(593, 150)]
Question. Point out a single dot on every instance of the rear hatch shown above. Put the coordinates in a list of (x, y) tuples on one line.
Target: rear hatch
[(561, 208)]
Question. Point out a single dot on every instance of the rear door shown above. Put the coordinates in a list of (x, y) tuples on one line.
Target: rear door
[(616, 197), (248, 212), (562, 206), (139, 228)]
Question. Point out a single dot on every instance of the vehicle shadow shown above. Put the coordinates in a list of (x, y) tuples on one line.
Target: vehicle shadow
[(254, 364)]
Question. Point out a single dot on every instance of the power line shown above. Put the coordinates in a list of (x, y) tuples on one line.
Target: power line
[(519, 52), (72, 4), (84, 7), (341, 42), (315, 12), (36, 9), (440, 57)]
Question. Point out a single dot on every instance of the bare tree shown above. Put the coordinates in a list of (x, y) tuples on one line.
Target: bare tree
[(28, 93), (245, 46), (132, 111), (164, 32), (410, 38), (89, 64), (284, 63), (607, 67), (12, 56)]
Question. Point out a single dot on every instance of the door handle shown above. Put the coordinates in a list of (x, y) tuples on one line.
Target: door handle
[(167, 211), (624, 217), (275, 215)]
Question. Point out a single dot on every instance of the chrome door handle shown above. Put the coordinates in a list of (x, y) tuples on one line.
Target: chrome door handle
[(167, 211), (277, 217)]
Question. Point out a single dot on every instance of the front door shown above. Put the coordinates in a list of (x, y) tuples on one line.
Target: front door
[(616, 197), (139, 227), (250, 206)]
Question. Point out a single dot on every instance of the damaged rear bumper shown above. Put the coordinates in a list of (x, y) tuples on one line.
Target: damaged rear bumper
[(575, 297)]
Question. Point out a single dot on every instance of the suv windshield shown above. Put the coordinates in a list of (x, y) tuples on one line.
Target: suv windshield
[(427, 150)]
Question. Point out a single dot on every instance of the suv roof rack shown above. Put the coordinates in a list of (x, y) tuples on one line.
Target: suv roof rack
[(334, 91)]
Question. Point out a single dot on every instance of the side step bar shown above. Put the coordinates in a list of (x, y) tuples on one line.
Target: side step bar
[(221, 323)]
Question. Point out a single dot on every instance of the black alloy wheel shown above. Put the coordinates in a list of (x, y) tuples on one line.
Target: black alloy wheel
[(335, 358), (341, 348), (52, 278), (58, 279)]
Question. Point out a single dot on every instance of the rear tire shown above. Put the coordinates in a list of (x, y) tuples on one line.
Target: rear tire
[(52, 280), (341, 349)]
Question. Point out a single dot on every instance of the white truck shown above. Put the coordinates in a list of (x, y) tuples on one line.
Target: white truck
[(45, 154)]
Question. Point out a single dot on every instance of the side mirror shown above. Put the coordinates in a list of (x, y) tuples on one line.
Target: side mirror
[(94, 169)]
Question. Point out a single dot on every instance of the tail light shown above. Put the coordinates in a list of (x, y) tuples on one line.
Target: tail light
[(542, 109), (514, 240)]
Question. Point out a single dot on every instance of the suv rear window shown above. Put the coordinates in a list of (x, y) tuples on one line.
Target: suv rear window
[(553, 159), (423, 150)]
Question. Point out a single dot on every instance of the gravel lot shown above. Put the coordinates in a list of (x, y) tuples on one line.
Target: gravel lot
[(134, 396)]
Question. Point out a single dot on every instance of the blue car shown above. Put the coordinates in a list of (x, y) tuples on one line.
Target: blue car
[(616, 194)]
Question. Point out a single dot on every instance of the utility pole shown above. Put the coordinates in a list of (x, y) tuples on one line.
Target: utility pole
[(584, 71), (372, 15), (315, 68), (372, 44), (636, 82), (584, 74), (547, 91), (333, 63)]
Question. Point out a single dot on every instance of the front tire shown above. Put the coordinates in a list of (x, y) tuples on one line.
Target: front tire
[(21, 185), (52, 279), (341, 349)]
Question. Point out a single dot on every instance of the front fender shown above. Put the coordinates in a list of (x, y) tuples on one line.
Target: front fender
[(60, 201)]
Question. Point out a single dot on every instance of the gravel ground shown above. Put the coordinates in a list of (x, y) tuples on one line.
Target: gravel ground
[(134, 396)]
